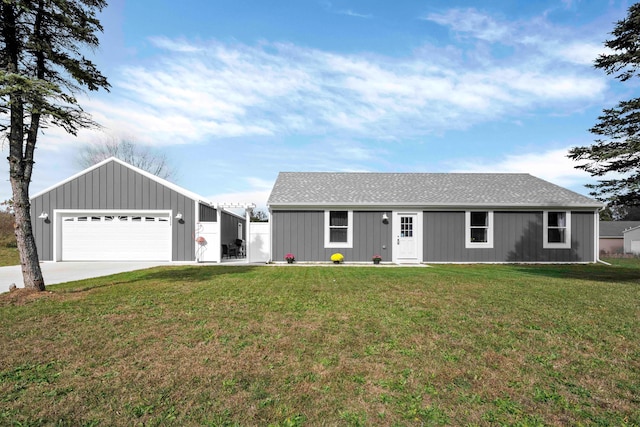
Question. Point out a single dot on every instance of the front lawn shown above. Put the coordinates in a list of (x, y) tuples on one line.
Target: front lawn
[(461, 345)]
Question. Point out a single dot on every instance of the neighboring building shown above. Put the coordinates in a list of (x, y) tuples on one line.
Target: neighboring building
[(434, 218), (632, 240), (113, 211), (612, 236)]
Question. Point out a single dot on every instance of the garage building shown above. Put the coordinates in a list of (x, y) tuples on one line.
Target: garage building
[(113, 211)]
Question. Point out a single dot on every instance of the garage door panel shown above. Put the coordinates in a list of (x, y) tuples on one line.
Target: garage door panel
[(116, 238)]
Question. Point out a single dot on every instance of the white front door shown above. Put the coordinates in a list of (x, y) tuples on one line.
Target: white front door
[(407, 232)]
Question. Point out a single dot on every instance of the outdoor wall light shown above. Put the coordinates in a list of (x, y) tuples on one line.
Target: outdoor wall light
[(179, 216), (385, 218), (43, 215)]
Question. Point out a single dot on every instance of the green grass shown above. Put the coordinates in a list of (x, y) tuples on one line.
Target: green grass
[(9, 256), (291, 346)]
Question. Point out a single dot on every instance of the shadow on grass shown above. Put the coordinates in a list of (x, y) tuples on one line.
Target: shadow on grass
[(160, 274), (592, 272)]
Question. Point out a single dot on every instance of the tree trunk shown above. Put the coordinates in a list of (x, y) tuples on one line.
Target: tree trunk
[(31, 273), (20, 162)]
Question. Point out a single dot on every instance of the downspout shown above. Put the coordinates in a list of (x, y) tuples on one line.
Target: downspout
[(270, 236), (219, 227), (247, 235), (597, 231), (196, 230)]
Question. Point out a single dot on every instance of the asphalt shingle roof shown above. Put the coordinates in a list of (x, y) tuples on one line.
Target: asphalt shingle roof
[(421, 189)]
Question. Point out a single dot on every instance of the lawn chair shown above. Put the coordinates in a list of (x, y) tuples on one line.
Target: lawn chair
[(228, 250)]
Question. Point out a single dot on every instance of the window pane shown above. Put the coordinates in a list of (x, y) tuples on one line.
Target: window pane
[(479, 219), (338, 219), (338, 235), (556, 235), (479, 235), (557, 219), (406, 226)]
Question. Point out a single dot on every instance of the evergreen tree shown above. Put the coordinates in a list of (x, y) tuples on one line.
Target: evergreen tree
[(42, 68), (617, 147)]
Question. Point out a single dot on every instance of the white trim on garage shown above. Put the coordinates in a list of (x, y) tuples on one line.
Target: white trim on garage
[(112, 235)]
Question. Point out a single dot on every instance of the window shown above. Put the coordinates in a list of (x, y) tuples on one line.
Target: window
[(557, 230), (479, 229), (338, 229), (406, 226)]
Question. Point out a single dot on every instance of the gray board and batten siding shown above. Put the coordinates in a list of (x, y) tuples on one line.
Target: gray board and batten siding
[(517, 237), (229, 228), (207, 213), (302, 234), (113, 186)]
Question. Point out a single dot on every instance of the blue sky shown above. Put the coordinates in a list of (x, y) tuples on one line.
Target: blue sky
[(236, 91)]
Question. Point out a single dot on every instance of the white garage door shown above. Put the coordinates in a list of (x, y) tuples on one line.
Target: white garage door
[(127, 237)]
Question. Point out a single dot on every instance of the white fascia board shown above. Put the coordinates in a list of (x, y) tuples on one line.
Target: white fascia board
[(149, 175), (630, 229)]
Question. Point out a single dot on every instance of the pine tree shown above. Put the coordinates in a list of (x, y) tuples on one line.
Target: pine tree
[(42, 69), (617, 147)]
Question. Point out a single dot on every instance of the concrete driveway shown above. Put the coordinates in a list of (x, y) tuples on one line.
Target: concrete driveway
[(60, 272)]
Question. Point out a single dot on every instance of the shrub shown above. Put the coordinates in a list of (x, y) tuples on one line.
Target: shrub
[(337, 258)]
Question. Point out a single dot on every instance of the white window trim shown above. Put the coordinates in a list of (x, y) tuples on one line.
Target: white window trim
[(327, 233), (545, 229), (468, 244)]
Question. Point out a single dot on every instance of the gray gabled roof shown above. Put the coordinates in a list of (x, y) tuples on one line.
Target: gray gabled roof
[(616, 228), (421, 189)]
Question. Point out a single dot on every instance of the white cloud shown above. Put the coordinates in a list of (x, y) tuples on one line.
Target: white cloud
[(531, 38), (472, 22), (174, 45), (552, 165), (584, 53), (198, 91), (350, 12)]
